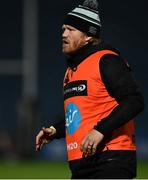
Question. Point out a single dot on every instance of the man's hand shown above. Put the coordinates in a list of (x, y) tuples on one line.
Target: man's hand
[(90, 142), (44, 137)]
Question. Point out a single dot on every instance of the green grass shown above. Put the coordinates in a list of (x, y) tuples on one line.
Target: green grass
[(142, 170), (34, 170), (47, 170)]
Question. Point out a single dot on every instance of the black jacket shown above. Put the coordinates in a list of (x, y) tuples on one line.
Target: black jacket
[(120, 83)]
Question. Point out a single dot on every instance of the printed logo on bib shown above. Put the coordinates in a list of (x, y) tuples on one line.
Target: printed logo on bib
[(73, 118), (75, 88)]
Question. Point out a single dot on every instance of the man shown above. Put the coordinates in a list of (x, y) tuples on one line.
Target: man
[(101, 98)]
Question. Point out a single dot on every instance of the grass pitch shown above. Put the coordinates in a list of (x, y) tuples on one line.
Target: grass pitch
[(48, 170)]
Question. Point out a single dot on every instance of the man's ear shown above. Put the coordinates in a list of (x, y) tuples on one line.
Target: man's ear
[(88, 39)]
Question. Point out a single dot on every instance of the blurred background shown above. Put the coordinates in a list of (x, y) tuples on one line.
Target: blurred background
[(32, 67)]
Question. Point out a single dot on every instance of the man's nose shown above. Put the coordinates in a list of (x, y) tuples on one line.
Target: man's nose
[(65, 33)]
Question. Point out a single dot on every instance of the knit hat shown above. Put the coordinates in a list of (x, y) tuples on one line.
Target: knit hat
[(85, 18)]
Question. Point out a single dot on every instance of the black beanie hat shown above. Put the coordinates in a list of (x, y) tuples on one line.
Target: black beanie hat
[(85, 18)]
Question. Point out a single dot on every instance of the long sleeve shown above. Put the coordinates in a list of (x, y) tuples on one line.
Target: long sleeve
[(60, 129), (121, 85)]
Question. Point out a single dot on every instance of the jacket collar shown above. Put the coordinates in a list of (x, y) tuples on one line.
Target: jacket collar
[(75, 59)]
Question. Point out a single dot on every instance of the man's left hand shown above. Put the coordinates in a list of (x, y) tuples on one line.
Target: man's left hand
[(90, 142)]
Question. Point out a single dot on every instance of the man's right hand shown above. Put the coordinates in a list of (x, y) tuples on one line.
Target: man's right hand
[(44, 137)]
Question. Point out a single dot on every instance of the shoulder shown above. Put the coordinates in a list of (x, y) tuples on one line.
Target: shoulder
[(113, 61)]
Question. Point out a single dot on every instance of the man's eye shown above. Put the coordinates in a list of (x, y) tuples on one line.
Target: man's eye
[(71, 29)]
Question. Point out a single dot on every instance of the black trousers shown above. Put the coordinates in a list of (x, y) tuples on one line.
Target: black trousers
[(105, 165)]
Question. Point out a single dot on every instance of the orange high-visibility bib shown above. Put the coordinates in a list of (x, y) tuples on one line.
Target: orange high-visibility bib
[(87, 102)]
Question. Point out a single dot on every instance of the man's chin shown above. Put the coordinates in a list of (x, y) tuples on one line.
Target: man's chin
[(66, 51)]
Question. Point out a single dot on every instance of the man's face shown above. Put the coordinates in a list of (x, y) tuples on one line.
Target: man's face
[(72, 39)]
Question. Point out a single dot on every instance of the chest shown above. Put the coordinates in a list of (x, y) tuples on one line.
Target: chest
[(85, 80)]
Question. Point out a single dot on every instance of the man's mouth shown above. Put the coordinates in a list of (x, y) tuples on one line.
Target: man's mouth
[(65, 42)]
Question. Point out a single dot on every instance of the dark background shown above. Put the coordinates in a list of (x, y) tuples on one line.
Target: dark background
[(124, 25)]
